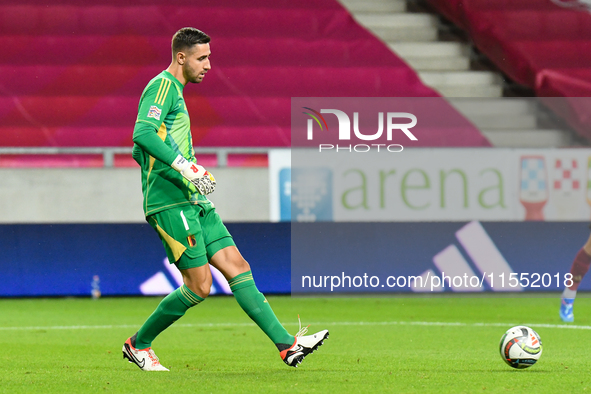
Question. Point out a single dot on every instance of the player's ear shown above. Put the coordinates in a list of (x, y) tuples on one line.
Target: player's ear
[(180, 58)]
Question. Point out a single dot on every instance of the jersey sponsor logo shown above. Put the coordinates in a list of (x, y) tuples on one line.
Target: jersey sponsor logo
[(154, 112)]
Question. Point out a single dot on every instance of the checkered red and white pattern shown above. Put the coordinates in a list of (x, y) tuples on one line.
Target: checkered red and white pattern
[(533, 180), (566, 175)]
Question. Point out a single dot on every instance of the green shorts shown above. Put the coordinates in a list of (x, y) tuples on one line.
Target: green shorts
[(191, 234)]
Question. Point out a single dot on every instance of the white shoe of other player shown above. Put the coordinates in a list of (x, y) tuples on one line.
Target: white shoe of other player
[(144, 358), (302, 346)]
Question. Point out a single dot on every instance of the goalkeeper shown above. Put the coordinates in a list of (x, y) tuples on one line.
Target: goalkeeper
[(176, 206)]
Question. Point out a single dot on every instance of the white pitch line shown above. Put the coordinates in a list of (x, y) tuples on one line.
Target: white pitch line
[(110, 327), (320, 324)]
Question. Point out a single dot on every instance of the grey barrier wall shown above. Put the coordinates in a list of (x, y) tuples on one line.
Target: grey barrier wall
[(113, 195)]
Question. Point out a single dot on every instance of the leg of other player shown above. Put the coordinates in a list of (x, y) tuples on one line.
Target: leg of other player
[(292, 349), (579, 268)]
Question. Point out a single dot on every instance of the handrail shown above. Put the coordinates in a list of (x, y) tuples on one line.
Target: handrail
[(109, 153)]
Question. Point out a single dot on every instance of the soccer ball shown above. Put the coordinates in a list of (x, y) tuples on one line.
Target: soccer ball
[(520, 347)]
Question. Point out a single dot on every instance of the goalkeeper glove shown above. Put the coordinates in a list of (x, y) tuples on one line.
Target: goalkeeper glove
[(196, 174)]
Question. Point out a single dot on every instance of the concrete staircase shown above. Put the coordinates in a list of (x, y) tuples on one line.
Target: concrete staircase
[(513, 122), (446, 67)]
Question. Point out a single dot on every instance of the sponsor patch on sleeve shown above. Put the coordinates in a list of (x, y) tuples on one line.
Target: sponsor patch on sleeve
[(154, 112)]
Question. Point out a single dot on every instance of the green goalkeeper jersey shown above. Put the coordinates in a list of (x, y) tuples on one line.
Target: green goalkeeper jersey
[(162, 132)]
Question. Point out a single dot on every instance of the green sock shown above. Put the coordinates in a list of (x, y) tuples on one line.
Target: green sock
[(170, 309), (256, 306)]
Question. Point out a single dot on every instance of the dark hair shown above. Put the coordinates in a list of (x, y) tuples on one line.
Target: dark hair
[(187, 37)]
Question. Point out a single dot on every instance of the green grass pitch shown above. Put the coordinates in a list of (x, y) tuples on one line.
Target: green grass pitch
[(398, 345)]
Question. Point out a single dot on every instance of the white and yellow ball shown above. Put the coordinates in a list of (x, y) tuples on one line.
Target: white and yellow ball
[(520, 347)]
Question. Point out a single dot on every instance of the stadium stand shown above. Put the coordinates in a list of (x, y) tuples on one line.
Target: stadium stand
[(73, 71), (436, 39), (524, 38), (541, 44), (416, 37)]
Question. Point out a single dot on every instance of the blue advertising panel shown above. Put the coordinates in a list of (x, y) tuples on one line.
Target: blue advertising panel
[(433, 257), (128, 259), (326, 258)]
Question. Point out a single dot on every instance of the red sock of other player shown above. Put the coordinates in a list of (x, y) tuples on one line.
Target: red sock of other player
[(579, 268)]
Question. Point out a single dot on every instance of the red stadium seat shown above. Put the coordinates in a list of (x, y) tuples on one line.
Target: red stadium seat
[(537, 43), (86, 66)]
